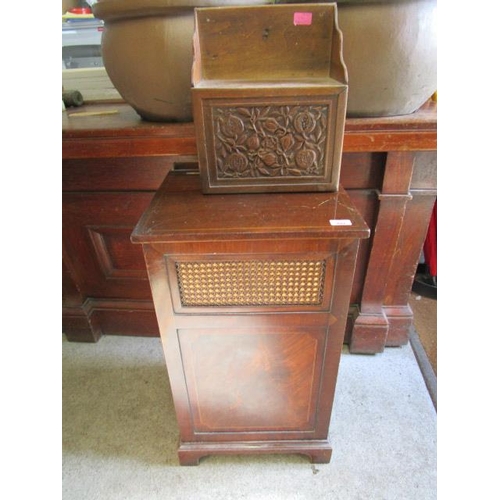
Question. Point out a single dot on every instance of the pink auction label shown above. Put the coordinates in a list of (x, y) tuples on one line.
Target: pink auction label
[(302, 18)]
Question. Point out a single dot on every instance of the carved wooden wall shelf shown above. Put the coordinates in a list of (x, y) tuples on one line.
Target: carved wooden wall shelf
[(269, 98)]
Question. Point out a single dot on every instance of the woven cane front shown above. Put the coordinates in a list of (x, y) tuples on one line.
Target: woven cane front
[(251, 282)]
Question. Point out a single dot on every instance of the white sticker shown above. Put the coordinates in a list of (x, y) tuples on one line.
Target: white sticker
[(340, 222)]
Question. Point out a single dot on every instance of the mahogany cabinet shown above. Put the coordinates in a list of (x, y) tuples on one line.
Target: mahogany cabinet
[(251, 292), (113, 162)]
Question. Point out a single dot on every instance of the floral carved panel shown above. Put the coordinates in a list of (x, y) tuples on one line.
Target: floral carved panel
[(270, 141)]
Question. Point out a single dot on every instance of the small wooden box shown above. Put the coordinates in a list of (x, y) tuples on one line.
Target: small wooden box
[(269, 98)]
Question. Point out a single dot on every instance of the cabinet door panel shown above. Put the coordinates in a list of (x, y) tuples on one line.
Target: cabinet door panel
[(97, 247), (250, 380)]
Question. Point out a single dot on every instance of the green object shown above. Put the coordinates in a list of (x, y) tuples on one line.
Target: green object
[(72, 98)]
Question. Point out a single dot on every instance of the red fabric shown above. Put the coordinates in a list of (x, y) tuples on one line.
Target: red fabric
[(430, 244)]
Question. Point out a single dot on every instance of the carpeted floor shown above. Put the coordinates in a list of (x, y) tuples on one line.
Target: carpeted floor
[(120, 434)]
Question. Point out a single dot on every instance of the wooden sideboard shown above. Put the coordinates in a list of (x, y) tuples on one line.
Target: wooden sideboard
[(113, 163)]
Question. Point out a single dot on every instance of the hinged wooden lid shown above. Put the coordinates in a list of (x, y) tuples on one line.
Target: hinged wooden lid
[(181, 212)]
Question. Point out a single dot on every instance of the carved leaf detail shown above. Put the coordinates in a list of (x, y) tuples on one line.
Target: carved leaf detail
[(271, 125), (269, 159), (244, 112), (287, 142)]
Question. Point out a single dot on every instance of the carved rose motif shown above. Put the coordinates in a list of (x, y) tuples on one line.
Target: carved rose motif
[(304, 122), (305, 158), (233, 126), (269, 159), (270, 141), (236, 162), (253, 142)]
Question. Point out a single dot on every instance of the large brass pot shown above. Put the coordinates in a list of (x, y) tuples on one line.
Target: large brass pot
[(390, 50), (147, 52), (389, 47)]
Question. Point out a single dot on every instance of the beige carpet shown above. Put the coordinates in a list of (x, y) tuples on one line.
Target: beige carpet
[(120, 434)]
